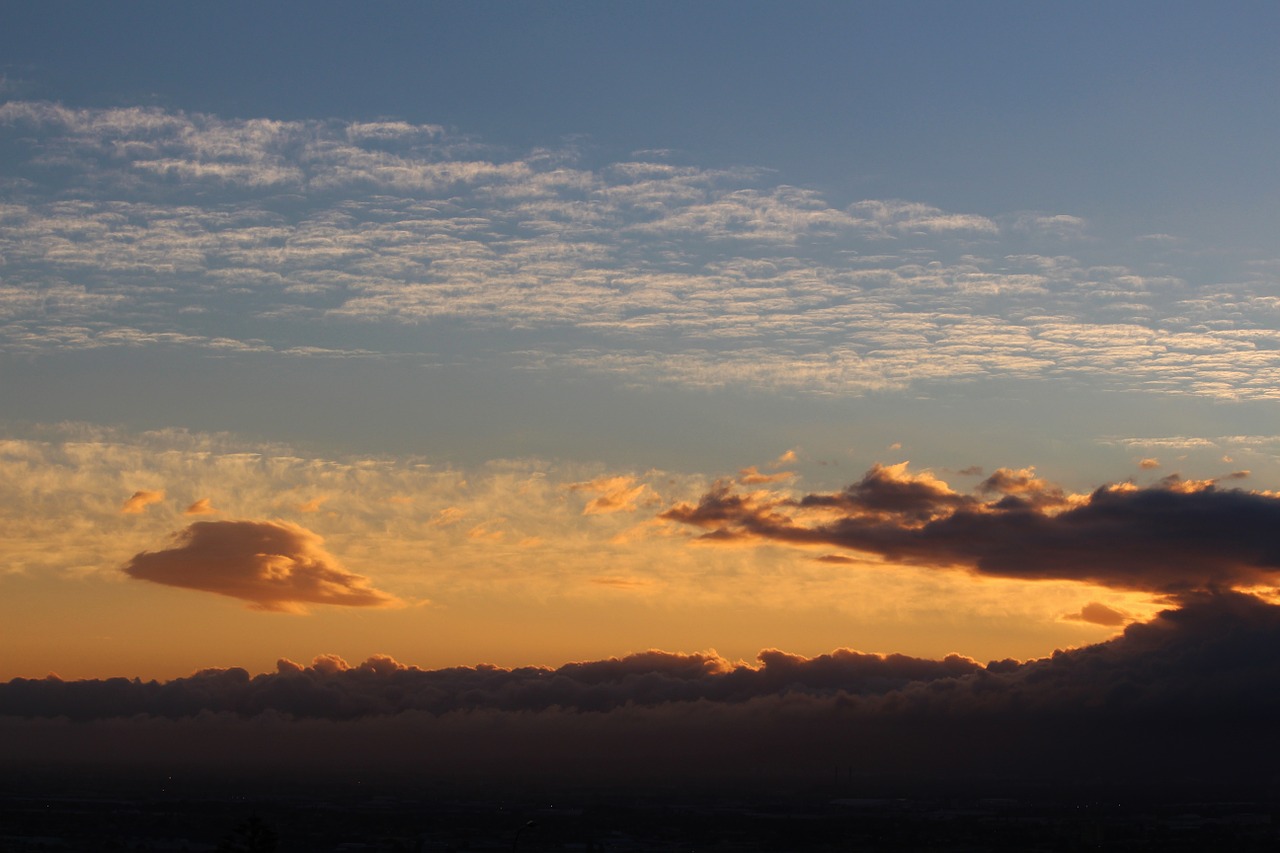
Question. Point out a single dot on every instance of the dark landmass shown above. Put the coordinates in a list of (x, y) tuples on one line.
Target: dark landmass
[(824, 818)]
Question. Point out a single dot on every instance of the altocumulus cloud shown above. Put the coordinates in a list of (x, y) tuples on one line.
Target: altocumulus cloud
[(1174, 537), (272, 565)]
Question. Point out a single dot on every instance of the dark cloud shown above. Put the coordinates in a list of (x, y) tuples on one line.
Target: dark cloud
[(1171, 538), (272, 565), (1099, 614), (330, 688), (1023, 486), (889, 491), (1188, 695), (1222, 639)]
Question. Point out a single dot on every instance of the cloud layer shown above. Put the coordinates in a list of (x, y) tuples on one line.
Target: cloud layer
[(1189, 695), (143, 227), (1173, 537), (272, 565)]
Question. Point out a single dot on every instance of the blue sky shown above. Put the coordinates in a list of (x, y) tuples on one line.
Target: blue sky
[(589, 259)]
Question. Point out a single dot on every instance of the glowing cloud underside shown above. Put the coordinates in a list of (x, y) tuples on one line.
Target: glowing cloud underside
[(272, 565)]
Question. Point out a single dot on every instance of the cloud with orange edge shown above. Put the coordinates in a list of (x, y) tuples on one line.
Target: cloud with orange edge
[(138, 502), (752, 476), (270, 565), (1176, 537), (313, 505), (204, 506), (612, 494), (447, 516)]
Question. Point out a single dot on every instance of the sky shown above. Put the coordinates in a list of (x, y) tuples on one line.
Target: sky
[(530, 334)]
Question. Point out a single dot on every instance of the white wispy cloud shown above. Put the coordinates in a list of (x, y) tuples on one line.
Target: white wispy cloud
[(140, 226)]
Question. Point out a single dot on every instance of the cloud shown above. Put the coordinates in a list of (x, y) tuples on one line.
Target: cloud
[(1175, 537), (140, 500), (159, 216), (448, 516), (481, 533), (752, 476), (1188, 696), (1149, 463), (332, 688), (204, 506), (895, 216), (1097, 613), (272, 565), (313, 505), (612, 494), (620, 583), (1023, 485)]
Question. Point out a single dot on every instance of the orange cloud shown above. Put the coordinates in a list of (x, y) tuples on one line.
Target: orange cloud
[(620, 583), (480, 533), (613, 494), (447, 516), (1148, 463), (1022, 484), (272, 565), (204, 506), (140, 500), (752, 476), (312, 505)]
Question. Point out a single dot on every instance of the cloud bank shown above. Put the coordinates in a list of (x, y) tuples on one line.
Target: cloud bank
[(272, 565), (1174, 537), (1189, 694)]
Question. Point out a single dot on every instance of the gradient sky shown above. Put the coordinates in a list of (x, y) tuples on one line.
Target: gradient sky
[(524, 334)]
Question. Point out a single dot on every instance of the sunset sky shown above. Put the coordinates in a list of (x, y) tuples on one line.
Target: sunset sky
[(523, 334)]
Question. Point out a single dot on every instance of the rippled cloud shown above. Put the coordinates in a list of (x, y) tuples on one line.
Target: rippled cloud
[(145, 227)]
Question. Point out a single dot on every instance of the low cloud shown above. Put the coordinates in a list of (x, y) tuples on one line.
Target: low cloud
[(272, 565), (1175, 537), (332, 688), (204, 506), (1097, 613), (140, 500), (1188, 695)]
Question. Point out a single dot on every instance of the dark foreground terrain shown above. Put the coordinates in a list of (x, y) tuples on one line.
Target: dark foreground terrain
[(172, 815)]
